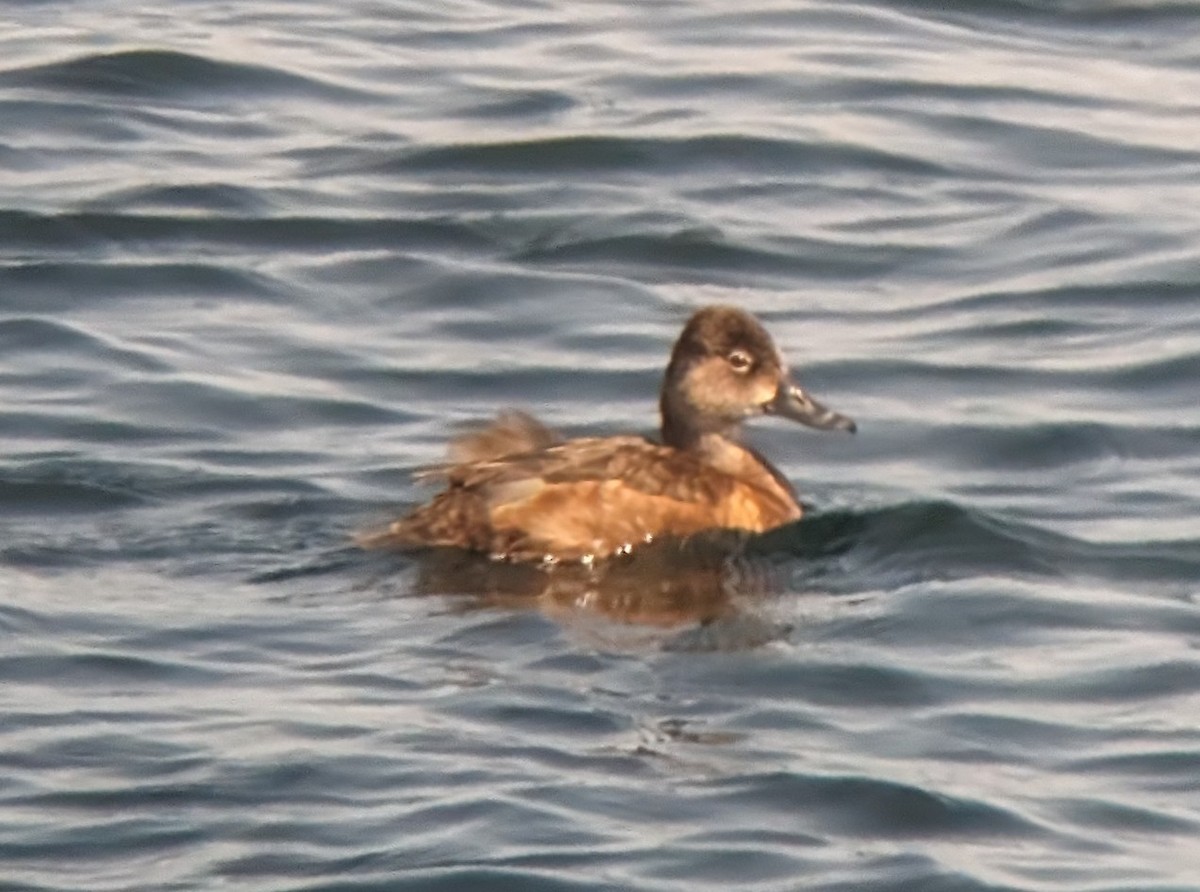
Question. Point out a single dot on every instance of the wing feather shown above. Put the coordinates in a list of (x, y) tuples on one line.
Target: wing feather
[(517, 489), (649, 468)]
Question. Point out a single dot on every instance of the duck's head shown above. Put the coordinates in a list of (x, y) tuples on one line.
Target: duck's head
[(724, 369)]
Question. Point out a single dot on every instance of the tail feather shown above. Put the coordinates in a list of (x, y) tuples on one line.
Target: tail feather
[(459, 516), (454, 518)]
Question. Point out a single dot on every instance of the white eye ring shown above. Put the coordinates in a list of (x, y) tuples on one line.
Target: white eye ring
[(740, 361)]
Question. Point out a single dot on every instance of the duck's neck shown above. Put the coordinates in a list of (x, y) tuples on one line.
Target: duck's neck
[(719, 447), (722, 449)]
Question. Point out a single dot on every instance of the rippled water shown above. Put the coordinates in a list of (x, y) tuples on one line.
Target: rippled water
[(259, 261)]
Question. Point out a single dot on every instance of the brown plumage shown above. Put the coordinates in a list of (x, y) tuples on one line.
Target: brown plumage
[(516, 490)]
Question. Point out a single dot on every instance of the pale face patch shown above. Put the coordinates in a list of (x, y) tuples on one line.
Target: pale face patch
[(717, 395)]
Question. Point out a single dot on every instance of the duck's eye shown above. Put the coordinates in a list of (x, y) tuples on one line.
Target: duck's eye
[(740, 361)]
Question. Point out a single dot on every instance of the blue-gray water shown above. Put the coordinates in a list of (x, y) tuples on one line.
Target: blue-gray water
[(259, 261)]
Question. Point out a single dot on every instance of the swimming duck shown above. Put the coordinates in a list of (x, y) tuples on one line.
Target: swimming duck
[(518, 491)]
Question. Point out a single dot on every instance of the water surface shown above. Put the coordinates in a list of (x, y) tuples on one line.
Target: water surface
[(258, 262)]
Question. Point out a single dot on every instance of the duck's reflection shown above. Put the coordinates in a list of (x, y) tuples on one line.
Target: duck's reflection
[(669, 585)]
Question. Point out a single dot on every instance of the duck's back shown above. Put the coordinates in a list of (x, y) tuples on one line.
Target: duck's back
[(591, 496)]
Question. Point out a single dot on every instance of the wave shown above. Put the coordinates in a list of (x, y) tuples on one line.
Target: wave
[(900, 544), (156, 74), (646, 156), (90, 229)]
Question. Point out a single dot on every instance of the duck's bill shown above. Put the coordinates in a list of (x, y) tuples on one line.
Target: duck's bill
[(794, 403)]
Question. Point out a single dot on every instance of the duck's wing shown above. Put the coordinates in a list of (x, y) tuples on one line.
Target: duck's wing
[(634, 462), (597, 496), (590, 496), (516, 447)]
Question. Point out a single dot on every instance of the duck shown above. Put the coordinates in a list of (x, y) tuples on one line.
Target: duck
[(518, 491)]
